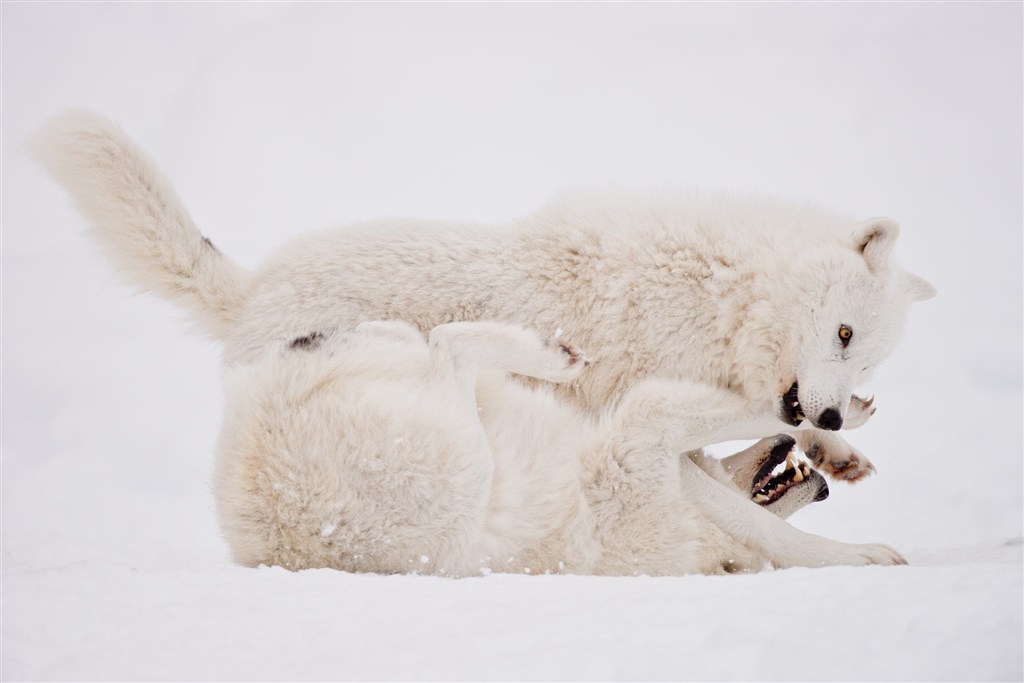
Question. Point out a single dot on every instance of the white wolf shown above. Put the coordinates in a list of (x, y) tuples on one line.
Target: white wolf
[(374, 451), (787, 307)]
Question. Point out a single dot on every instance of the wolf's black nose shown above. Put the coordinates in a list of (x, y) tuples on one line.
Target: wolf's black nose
[(830, 419)]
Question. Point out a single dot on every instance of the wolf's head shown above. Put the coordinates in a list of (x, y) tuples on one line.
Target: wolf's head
[(845, 318)]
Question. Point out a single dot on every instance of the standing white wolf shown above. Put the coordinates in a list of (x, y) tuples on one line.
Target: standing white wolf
[(788, 307)]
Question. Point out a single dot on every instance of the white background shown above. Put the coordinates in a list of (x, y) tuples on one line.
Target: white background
[(273, 119)]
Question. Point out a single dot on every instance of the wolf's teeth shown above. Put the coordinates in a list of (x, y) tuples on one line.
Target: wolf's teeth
[(798, 475), (760, 498)]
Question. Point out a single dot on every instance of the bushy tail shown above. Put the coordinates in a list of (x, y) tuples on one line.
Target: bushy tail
[(138, 219)]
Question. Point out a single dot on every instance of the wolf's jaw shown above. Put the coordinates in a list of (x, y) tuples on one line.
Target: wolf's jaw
[(782, 471), (773, 486), (792, 413)]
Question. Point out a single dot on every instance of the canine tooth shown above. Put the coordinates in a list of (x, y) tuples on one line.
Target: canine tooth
[(798, 475), (760, 498)]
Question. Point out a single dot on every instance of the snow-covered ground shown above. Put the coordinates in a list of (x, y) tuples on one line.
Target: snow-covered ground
[(277, 118)]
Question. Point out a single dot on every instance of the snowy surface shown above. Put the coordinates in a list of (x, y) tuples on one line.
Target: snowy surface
[(273, 119)]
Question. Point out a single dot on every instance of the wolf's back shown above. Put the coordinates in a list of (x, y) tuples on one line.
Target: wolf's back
[(138, 219)]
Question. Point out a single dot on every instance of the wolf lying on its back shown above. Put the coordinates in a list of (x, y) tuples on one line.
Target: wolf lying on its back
[(373, 451), (787, 308)]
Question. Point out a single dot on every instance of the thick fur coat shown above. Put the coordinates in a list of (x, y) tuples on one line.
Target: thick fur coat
[(751, 315), (374, 451)]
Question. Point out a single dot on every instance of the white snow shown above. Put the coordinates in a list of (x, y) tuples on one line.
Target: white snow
[(275, 118)]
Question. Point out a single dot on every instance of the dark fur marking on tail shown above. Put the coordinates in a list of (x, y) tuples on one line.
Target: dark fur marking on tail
[(308, 343)]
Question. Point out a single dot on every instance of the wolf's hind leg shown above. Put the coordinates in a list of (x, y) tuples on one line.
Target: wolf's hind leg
[(465, 348)]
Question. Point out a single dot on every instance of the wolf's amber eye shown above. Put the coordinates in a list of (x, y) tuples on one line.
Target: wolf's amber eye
[(845, 334)]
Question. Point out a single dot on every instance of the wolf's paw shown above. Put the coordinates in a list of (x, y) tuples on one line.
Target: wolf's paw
[(833, 456), (877, 553), (561, 361), (850, 466), (859, 411), (815, 551)]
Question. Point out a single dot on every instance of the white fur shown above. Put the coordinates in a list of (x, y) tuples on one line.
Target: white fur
[(375, 452), (741, 295)]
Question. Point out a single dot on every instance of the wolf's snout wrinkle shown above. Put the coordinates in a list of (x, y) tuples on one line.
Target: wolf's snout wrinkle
[(830, 419)]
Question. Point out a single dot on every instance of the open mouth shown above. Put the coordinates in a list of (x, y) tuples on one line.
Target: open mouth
[(781, 472), (791, 410)]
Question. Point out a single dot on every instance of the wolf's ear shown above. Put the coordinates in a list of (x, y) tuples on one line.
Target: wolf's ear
[(875, 239), (919, 288)]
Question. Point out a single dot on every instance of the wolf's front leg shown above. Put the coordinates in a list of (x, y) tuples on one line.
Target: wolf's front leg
[(642, 439), (756, 528), (689, 415), (670, 417)]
